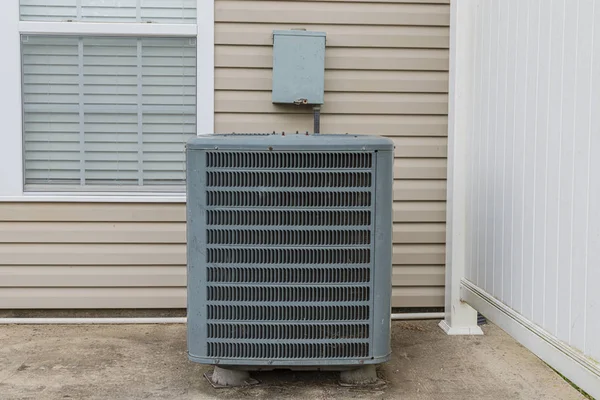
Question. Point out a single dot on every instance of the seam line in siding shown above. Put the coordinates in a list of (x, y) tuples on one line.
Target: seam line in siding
[(589, 162)]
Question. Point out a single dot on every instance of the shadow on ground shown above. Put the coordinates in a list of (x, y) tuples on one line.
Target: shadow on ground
[(149, 362)]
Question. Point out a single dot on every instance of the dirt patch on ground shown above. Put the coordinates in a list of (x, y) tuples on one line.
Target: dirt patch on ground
[(149, 362)]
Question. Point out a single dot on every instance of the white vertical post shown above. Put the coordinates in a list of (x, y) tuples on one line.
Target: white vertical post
[(11, 148), (460, 318)]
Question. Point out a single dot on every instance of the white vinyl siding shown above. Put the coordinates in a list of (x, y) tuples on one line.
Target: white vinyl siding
[(534, 191), (157, 11), (109, 111)]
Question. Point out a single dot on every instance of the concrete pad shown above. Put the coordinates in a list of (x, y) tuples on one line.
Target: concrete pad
[(149, 362), (227, 378), (365, 375)]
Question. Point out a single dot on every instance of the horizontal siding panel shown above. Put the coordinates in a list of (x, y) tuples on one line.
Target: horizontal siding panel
[(336, 103), (385, 125), (432, 296), (265, 122), (167, 254), (418, 254), (92, 276), (340, 81), (80, 298), (339, 35), (92, 254), (160, 276), (419, 233), (419, 211), (163, 297), (386, 81), (60, 232), (387, 59), (83, 212), (304, 12), (92, 212), (338, 58), (421, 147), (420, 168), (243, 79), (92, 232), (102, 254), (377, 1), (418, 275), (419, 190)]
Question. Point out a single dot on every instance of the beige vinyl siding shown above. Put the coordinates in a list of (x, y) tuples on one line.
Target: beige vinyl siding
[(93, 255), (386, 73)]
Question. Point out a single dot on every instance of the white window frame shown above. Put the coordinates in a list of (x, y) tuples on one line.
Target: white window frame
[(11, 124)]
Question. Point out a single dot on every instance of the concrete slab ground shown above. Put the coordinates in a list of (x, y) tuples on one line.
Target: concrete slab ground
[(149, 362)]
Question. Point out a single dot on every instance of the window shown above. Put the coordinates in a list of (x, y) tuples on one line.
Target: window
[(107, 111), (110, 91)]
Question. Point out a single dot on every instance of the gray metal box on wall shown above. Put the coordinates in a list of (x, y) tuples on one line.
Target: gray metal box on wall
[(298, 67), (289, 249)]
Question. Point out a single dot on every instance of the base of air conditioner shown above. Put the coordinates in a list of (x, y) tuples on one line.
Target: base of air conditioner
[(355, 376), (324, 364)]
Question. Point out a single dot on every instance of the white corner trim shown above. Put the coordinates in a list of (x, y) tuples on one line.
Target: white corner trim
[(11, 169), (460, 330), (578, 368), (460, 318), (205, 75), (106, 28)]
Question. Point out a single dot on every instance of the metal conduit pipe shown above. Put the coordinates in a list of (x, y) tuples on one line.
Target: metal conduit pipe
[(417, 316), (91, 321), (161, 320)]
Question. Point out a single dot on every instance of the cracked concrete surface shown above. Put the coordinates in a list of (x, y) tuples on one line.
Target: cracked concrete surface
[(149, 362)]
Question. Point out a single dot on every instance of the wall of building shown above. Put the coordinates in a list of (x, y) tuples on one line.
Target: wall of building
[(386, 74), (92, 255), (533, 237)]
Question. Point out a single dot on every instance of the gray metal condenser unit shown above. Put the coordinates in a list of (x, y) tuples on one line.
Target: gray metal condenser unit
[(289, 250)]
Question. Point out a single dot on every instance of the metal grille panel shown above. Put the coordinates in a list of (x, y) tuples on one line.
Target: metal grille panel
[(293, 274), (287, 237), (288, 331), (288, 294), (290, 351), (304, 313), (288, 256), (287, 218), (288, 179), (289, 160), (287, 198), (289, 242)]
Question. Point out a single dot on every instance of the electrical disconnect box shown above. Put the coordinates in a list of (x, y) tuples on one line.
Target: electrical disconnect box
[(298, 67)]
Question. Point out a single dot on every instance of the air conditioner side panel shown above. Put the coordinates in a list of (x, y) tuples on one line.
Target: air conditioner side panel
[(196, 251), (382, 268)]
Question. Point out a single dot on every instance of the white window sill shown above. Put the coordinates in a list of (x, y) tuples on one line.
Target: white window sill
[(106, 28), (95, 198)]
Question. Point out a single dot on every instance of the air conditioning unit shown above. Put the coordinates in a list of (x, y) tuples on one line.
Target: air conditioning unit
[(289, 246)]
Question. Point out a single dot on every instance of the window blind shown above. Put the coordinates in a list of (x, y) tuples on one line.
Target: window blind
[(158, 11), (107, 112)]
